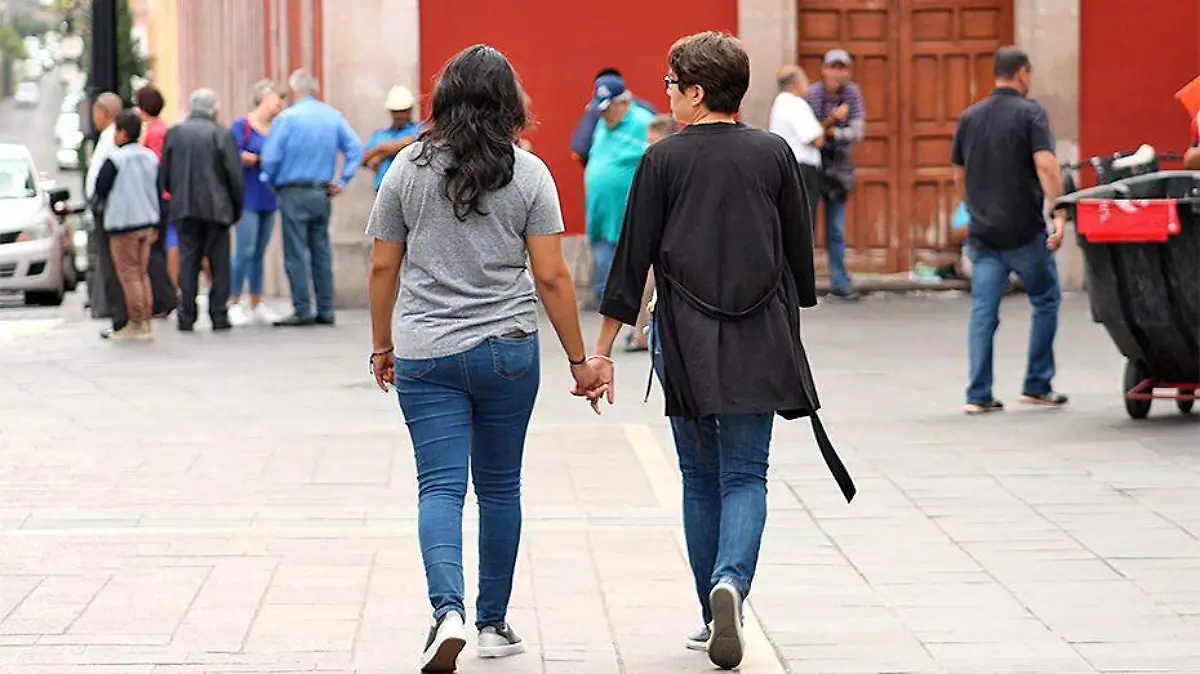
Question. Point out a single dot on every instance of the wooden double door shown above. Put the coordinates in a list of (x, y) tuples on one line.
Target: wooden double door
[(919, 63)]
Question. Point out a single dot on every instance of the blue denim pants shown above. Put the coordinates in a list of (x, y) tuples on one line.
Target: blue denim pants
[(990, 269), (470, 411), (723, 459), (252, 234), (835, 244), (603, 253), (307, 252)]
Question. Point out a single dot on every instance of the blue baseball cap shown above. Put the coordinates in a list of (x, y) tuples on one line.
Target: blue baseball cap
[(607, 89)]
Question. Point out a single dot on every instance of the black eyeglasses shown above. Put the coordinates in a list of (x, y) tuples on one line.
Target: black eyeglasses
[(667, 82)]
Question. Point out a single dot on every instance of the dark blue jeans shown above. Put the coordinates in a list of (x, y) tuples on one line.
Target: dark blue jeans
[(603, 253), (723, 459), (990, 269), (835, 245), (307, 252), (470, 410), (253, 233)]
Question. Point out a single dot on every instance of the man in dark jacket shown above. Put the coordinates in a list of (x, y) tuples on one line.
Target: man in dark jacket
[(202, 171)]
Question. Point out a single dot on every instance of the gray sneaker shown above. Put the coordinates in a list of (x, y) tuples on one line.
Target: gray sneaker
[(727, 645), (446, 640), (698, 640), (499, 641)]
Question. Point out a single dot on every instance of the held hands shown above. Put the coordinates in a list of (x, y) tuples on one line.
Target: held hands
[(594, 380), (841, 113)]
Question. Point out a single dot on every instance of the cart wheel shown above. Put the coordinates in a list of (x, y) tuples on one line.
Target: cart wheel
[(1135, 373), (1185, 406)]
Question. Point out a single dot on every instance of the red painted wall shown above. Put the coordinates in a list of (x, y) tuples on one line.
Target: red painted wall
[(1131, 65), (557, 53)]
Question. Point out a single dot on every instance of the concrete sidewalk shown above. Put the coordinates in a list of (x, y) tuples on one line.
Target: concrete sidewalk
[(246, 503)]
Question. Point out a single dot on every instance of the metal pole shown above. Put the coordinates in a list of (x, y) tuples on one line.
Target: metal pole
[(103, 78)]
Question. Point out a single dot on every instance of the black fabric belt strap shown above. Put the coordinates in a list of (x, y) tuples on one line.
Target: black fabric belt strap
[(717, 313), (310, 186), (832, 460)]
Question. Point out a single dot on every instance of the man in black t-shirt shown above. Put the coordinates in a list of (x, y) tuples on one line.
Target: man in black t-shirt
[(1004, 152)]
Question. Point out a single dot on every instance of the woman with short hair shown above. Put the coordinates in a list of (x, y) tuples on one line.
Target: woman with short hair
[(253, 232), (467, 230), (719, 210)]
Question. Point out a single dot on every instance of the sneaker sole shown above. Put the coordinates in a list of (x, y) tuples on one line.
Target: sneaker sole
[(975, 410), (501, 651), (446, 657), (1038, 402), (726, 647), (699, 646)]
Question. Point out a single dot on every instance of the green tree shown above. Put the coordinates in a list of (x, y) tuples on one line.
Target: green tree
[(11, 49), (130, 63)]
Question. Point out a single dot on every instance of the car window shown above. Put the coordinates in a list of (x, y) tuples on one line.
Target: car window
[(16, 179)]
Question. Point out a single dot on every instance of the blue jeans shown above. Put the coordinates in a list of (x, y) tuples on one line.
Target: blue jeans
[(723, 459), (835, 244), (307, 253), (603, 253), (1034, 263), (252, 233), (470, 410)]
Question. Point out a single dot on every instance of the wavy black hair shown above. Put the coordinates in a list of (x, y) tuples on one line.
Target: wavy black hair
[(478, 112)]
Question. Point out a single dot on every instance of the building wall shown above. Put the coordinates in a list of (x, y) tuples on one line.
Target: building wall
[(1135, 62)]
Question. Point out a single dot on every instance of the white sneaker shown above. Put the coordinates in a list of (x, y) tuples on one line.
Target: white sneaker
[(727, 644), (264, 316), (447, 637), (499, 642), (238, 316)]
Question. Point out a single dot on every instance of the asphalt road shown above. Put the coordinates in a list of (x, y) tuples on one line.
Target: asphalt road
[(34, 127)]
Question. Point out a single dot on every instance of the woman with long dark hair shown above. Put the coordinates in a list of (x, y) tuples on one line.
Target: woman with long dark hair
[(461, 220), (719, 211)]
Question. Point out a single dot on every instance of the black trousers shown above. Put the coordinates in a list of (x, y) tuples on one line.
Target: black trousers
[(166, 299), (812, 189), (199, 240), (108, 300)]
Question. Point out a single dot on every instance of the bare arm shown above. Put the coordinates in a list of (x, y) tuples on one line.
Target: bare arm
[(383, 282), (1048, 174), (557, 291), (1191, 159)]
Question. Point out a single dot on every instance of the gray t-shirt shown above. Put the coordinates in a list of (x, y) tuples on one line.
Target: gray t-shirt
[(462, 282)]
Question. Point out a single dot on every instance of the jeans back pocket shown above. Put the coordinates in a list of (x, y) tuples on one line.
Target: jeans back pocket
[(414, 368), (514, 356)]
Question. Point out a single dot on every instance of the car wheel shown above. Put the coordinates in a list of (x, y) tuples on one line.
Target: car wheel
[(71, 273), (51, 298)]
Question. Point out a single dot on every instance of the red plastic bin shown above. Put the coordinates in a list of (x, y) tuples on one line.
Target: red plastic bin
[(1127, 220)]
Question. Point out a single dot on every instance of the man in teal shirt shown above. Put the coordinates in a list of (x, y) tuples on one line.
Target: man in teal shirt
[(385, 144), (617, 147)]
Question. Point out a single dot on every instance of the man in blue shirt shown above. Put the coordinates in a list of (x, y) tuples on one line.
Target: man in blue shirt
[(581, 139), (300, 161), (385, 144)]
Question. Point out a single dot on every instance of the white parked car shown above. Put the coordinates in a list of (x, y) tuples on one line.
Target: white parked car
[(37, 247), (28, 95)]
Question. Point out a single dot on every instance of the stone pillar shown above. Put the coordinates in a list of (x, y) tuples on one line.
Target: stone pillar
[(767, 29), (1049, 31), (358, 74)]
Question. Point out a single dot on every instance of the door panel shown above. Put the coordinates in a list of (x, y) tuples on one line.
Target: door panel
[(919, 63)]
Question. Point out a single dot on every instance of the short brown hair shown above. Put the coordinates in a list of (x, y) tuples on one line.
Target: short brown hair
[(664, 125), (718, 63), (149, 100)]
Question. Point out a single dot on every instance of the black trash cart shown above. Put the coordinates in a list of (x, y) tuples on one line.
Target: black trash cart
[(1140, 238)]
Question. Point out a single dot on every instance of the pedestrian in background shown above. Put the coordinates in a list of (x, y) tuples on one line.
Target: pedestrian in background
[(385, 144), (467, 228), (107, 299), (300, 161), (127, 185), (719, 212), (792, 119), (253, 233), (202, 172), (838, 103), (1003, 152), (585, 130), (617, 146), (164, 251)]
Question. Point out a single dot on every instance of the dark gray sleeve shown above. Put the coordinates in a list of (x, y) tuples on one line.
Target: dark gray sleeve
[(1040, 137), (387, 221)]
